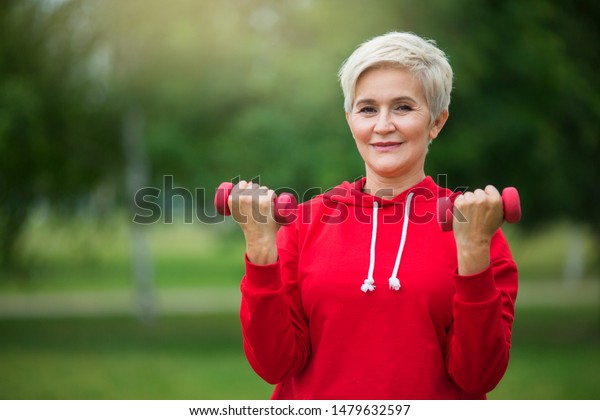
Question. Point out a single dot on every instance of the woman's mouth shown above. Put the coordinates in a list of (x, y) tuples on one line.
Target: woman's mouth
[(387, 146)]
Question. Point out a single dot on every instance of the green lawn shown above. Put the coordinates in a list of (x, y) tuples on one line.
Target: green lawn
[(117, 358), (555, 356)]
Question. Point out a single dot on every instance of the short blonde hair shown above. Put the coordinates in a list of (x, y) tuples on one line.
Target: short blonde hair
[(421, 57)]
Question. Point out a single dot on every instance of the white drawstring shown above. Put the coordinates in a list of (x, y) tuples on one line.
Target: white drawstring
[(394, 282), (369, 283)]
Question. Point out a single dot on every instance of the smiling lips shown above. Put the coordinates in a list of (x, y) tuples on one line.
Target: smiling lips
[(386, 146)]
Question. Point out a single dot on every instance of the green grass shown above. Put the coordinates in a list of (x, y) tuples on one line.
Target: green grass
[(554, 356), (117, 358)]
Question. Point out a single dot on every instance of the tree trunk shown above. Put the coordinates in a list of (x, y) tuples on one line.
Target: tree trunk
[(12, 221), (574, 262), (136, 178)]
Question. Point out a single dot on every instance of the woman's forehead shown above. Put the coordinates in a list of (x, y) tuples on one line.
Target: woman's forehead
[(388, 82)]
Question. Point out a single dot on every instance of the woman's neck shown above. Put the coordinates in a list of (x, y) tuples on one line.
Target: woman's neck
[(385, 187)]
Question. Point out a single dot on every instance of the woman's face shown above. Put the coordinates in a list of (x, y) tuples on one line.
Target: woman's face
[(390, 122)]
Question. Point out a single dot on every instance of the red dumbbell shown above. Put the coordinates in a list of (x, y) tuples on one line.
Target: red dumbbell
[(511, 205), (283, 212)]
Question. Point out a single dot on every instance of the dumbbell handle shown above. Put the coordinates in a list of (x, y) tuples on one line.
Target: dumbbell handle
[(284, 209), (511, 205)]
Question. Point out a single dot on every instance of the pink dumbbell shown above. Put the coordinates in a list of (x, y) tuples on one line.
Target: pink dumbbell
[(511, 205), (283, 212)]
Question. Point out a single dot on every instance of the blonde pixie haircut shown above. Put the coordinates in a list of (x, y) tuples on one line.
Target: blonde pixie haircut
[(421, 57)]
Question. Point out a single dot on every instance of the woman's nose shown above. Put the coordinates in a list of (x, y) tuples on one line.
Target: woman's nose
[(384, 124)]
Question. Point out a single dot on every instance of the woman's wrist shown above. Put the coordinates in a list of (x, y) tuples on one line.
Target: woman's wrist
[(473, 258), (262, 250)]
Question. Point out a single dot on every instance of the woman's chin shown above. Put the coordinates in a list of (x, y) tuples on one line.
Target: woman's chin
[(387, 167), (387, 171)]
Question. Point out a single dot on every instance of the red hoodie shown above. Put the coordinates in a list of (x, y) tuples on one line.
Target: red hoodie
[(324, 322)]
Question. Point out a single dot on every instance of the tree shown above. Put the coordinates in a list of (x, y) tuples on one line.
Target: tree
[(55, 144), (526, 105), (249, 88)]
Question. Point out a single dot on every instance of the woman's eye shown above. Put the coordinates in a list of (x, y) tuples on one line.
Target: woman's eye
[(403, 108), (367, 110)]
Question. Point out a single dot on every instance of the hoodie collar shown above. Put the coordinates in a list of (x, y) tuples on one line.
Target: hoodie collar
[(351, 193)]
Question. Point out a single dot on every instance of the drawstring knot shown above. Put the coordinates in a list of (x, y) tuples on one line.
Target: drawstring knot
[(368, 285), (394, 283)]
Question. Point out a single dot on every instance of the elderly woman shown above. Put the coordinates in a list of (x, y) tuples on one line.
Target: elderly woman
[(363, 296)]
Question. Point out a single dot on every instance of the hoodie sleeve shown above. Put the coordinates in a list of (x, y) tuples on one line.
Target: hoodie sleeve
[(274, 327), (479, 340)]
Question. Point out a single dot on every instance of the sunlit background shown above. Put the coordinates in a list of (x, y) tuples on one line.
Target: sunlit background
[(99, 98)]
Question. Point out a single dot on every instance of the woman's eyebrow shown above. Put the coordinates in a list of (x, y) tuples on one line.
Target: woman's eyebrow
[(404, 98), (365, 101), (369, 101)]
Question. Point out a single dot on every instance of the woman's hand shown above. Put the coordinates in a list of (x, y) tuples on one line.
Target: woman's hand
[(251, 206), (482, 216)]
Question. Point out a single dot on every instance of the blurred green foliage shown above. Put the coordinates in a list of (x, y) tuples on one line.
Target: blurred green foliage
[(248, 88), (56, 138), (526, 104)]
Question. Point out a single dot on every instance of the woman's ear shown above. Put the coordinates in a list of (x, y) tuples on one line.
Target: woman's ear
[(437, 125)]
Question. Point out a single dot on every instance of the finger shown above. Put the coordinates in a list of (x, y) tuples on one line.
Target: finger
[(262, 191), (262, 202), (271, 194), (248, 193), (235, 191), (492, 191), (258, 192), (234, 194), (252, 186), (468, 197), (243, 194), (479, 195)]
